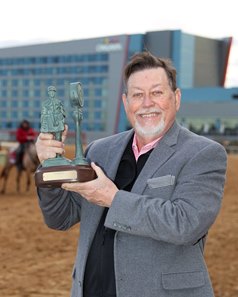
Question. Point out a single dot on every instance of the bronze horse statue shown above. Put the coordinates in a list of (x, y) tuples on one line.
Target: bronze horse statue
[(30, 163)]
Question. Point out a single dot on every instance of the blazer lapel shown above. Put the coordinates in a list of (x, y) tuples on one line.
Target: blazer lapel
[(115, 154), (161, 153), (112, 161)]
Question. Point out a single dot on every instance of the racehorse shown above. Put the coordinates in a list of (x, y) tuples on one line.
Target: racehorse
[(30, 163)]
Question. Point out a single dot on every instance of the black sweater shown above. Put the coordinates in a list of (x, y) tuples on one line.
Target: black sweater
[(99, 279)]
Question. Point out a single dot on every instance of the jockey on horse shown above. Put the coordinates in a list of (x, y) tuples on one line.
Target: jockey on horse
[(24, 154), (24, 135)]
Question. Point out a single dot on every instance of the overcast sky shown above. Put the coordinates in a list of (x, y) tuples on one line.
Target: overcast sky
[(31, 21)]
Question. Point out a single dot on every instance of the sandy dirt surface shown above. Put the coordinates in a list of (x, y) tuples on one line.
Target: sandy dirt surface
[(37, 262)]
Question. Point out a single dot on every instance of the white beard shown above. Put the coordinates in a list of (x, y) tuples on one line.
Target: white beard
[(150, 131)]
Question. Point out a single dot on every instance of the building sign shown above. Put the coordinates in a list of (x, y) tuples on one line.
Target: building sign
[(109, 45)]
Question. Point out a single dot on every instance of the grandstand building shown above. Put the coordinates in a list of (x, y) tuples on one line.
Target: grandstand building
[(201, 63)]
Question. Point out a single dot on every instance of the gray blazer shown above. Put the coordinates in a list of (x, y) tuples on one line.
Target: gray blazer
[(160, 225)]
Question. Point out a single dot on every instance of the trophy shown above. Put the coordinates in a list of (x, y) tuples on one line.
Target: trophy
[(58, 170)]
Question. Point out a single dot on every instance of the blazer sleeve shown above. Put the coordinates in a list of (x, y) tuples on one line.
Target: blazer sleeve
[(61, 209), (190, 210)]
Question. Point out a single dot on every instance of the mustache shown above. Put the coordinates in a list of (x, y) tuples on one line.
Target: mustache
[(149, 110)]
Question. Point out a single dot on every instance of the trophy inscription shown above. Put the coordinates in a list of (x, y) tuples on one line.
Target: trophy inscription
[(58, 170)]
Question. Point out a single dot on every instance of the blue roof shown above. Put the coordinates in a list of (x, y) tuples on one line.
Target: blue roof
[(209, 94)]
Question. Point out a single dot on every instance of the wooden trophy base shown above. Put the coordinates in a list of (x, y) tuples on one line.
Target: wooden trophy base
[(55, 176)]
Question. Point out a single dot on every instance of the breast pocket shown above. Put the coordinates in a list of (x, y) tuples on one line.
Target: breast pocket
[(161, 181), (161, 186)]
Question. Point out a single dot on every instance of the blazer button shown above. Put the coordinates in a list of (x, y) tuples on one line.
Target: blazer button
[(80, 284)]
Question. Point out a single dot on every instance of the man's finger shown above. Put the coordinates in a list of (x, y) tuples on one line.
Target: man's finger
[(45, 136), (97, 169), (64, 134)]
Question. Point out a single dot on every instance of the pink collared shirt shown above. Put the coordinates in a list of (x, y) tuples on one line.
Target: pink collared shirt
[(144, 148)]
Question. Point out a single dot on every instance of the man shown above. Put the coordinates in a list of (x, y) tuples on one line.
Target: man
[(24, 135), (144, 220)]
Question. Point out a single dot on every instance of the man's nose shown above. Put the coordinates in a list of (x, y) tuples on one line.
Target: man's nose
[(148, 100)]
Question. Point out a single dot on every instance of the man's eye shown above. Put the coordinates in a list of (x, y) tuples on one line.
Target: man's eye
[(137, 95), (156, 93)]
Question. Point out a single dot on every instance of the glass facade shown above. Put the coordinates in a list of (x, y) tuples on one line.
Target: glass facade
[(24, 82)]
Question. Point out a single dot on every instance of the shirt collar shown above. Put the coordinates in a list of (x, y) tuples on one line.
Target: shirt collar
[(145, 148)]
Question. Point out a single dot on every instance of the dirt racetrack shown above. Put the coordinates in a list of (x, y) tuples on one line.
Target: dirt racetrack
[(37, 262)]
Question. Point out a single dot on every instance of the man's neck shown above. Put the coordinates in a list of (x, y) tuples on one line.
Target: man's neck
[(144, 148), (141, 142)]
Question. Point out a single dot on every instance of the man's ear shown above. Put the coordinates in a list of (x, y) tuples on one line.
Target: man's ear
[(177, 98), (124, 99)]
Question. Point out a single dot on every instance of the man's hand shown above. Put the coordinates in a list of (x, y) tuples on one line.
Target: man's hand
[(47, 147), (100, 191)]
